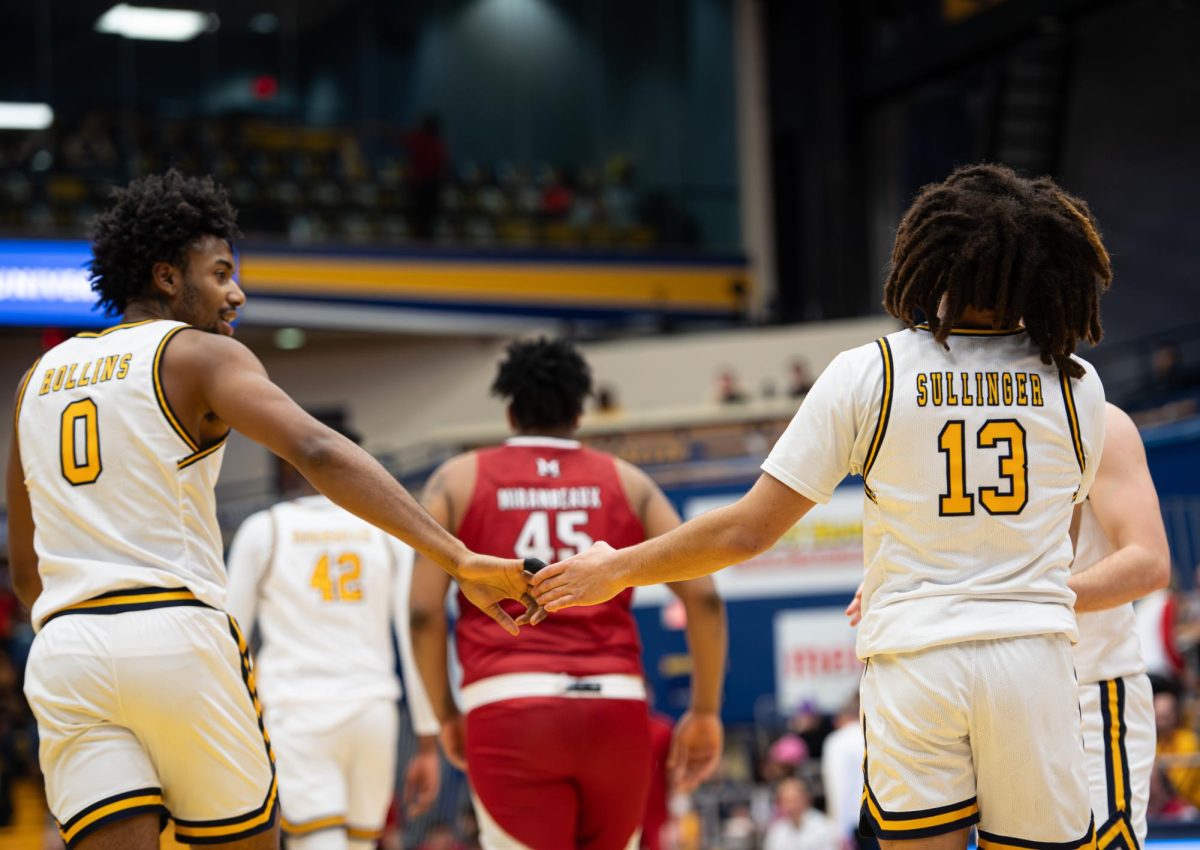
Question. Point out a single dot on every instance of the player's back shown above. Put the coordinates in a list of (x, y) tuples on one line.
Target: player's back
[(327, 595), (971, 458), (538, 497), (1108, 647), (122, 496)]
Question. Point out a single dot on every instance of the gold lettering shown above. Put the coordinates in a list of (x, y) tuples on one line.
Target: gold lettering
[(966, 390), (922, 390), (979, 388), (123, 368), (70, 384), (1006, 382), (951, 398), (58, 378), (1035, 389), (936, 377), (993, 381), (1022, 398), (110, 365), (83, 376), (46, 379)]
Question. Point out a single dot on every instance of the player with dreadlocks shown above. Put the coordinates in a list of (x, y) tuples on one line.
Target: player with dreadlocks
[(556, 740), (975, 435), (151, 712)]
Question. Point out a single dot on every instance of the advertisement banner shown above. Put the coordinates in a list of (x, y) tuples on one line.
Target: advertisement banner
[(814, 659)]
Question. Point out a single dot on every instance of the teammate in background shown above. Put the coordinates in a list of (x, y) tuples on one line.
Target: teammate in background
[(1121, 554), (557, 740), (325, 588), (118, 440), (975, 436)]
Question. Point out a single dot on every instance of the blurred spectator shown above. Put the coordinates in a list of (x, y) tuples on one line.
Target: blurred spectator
[(1178, 745), (606, 401), (1157, 634), (739, 831), (800, 379), (556, 194), (799, 826), (728, 389), (784, 756), (428, 167), (1164, 803), (841, 773), (619, 201), (812, 725)]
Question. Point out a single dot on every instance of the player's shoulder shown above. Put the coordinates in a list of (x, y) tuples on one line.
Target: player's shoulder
[(1119, 428), (258, 522), (1088, 389)]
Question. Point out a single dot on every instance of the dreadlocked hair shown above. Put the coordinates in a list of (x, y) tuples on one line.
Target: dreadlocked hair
[(154, 220), (545, 382), (989, 239)]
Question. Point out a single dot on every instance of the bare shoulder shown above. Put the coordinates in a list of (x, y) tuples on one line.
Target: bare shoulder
[(1120, 433), (199, 348), (454, 477)]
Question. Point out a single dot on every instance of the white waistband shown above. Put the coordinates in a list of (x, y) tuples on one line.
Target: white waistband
[(518, 685)]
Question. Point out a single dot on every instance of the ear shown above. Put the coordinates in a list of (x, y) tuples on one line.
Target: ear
[(165, 279)]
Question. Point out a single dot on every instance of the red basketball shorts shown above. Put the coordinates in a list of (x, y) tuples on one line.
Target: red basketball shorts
[(559, 772)]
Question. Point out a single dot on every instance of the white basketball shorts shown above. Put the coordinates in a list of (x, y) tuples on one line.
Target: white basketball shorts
[(1119, 739), (337, 765), (151, 709), (984, 732)]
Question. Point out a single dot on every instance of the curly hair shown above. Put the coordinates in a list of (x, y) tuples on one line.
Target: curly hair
[(545, 381), (992, 240), (154, 220)]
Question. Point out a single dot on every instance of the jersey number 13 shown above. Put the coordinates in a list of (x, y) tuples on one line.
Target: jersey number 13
[(1008, 437)]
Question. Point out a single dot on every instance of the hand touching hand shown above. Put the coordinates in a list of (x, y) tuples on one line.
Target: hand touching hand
[(854, 609), (588, 578), (695, 749), (488, 581)]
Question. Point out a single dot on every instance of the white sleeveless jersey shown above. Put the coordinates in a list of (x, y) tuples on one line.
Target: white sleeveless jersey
[(972, 459), (324, 588), (122, 496), (1108, 646)]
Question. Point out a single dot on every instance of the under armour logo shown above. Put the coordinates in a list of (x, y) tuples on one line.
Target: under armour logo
[(548, 468)]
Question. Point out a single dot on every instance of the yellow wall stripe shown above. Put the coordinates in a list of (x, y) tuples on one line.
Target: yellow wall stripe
[(696, 286), (159, 394), (21, 394), (104, 811)]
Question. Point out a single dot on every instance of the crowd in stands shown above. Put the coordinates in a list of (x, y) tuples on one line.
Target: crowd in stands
[(314, 185)]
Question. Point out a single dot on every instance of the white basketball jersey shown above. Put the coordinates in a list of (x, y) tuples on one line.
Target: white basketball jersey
[(1108, 646), (324, 588), (972, 459), (122, 496)]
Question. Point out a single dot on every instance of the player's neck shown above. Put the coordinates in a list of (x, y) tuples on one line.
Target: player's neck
[(142, 309), (556, 433), (974, 319)]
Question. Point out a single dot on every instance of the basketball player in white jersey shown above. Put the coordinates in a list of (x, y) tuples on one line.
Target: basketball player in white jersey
[(975, 436), (324, 589), (143, 693), (1121, 555)]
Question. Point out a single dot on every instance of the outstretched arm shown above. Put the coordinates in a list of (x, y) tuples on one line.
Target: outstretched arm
[(699, 547), (1125, 504), (227, 380)]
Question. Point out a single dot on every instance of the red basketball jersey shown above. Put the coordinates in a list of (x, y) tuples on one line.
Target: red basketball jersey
[(539, 497)]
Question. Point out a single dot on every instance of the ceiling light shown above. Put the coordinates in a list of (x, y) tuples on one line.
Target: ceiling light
[(25, 116), (153, 24)]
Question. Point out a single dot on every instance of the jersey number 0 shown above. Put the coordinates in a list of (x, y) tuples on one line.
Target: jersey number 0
[(79, 440)]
